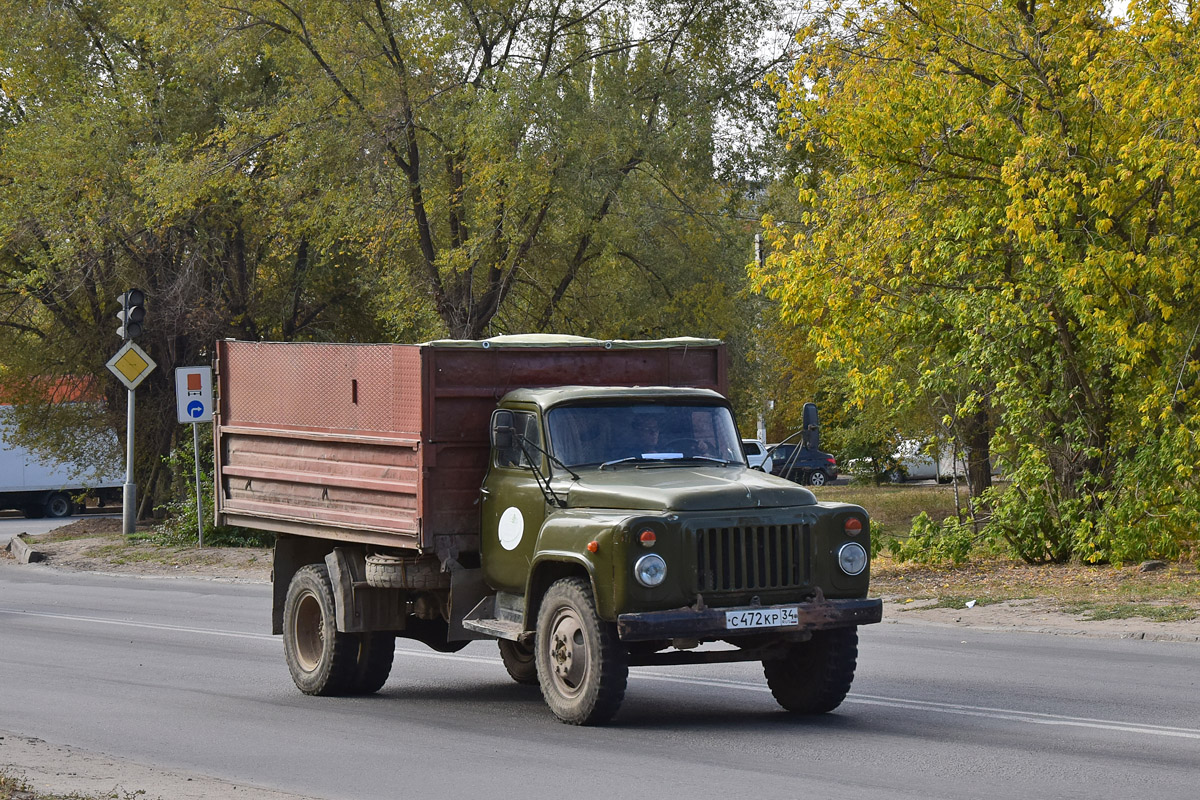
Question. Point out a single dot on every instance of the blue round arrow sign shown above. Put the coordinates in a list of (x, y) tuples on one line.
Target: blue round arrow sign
[(195, 409)]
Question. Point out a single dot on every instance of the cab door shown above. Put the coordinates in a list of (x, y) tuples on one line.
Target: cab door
[(513, 507)]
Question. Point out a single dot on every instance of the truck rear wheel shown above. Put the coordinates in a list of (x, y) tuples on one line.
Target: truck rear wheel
[(519, 661), (376, 651), (814, 677), (322, 660), (581, 663)]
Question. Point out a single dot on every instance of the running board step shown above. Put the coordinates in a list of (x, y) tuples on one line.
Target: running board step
[(502, 622), (500, 628)]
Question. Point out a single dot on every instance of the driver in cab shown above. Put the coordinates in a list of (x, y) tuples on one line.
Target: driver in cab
[(645, 435)]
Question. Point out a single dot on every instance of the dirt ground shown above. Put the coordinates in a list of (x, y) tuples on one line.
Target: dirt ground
[(95, 544)]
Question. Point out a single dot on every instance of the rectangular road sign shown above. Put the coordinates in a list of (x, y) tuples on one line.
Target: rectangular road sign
[(193, 394), (131, 365)]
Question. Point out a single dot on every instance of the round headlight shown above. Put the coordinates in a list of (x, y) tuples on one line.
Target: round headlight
[(650, 570), (852, 558)]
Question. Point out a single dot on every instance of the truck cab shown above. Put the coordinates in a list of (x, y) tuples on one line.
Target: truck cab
[(640, 502)]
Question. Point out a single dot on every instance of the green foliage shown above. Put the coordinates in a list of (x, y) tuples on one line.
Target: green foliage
[(524, 166), (932, 542), (180, 526), (1004, 236), (345, 170)]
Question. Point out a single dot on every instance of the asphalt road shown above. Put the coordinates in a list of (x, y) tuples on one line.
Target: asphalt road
[(181, 674)]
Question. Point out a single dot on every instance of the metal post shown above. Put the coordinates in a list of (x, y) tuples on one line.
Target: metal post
[(129, 506), (199, 504)]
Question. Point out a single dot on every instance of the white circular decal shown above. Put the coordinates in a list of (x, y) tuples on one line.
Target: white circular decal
[(512, 528)]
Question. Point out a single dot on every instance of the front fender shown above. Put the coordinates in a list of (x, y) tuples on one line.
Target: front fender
[(562, 550)]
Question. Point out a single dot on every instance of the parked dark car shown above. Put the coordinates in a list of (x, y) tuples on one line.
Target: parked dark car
[(803, 465)]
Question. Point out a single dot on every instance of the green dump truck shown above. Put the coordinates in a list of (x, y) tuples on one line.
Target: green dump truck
[(585, 503)]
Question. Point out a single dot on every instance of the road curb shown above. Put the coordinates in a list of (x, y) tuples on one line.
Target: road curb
[(1148, 636), (22, 551)]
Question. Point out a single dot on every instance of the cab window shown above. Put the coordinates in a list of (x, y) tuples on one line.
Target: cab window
[(527, 431)]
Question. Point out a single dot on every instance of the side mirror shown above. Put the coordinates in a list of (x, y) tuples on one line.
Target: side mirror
[(812, 429), (503, 433)]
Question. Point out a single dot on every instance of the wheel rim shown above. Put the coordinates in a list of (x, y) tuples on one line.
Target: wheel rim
[(58, 506), (818, 479), (568, 653), (308, 632)]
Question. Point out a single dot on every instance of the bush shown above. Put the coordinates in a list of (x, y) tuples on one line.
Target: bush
[(180, 526), (932, 542)]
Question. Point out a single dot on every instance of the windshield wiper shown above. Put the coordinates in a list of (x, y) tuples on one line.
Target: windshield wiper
[(630, 459), (672, 460)]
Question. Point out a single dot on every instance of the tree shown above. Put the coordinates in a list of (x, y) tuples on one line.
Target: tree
[(507, 154), (1013, 231), (359, 170), (104, 188)]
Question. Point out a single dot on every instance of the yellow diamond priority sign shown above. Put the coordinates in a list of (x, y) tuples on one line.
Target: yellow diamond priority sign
[(131, 365)]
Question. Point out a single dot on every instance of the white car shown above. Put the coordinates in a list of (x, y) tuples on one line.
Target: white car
[(756, 454), (913, 463)]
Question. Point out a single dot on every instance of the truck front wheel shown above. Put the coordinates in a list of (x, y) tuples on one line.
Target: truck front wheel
[(322, 660), (814, 677), (581, 663)]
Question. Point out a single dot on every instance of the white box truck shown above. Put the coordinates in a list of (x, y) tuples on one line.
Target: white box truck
[(44, 487)]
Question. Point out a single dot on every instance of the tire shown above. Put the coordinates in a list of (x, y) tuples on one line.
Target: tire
[(581, 663), (59, 505), (817, 478), (519, 661), (376, 651), (814, 677), (895, 476), (322, 660), (397, 572), (34, 512)]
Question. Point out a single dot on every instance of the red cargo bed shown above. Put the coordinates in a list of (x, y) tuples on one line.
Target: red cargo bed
[(388, 443)]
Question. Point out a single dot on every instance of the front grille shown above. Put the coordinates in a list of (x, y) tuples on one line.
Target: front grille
[(752, 558)]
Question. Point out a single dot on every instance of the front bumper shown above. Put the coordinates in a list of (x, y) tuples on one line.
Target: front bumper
[(709, 623)]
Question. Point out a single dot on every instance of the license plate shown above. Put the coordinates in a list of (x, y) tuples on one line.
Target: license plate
[(762, 618)]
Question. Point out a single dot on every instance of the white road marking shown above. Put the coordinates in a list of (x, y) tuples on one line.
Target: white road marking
[(154, 626), (1006, 714)]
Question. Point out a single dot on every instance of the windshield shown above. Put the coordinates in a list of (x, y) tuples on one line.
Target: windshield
[(599, 434)]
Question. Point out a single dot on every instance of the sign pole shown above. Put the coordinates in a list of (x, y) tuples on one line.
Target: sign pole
[(194, 404), (129, 492), (199, 504)]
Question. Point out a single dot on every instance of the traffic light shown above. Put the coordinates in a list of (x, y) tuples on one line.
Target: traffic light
[(131, 314)]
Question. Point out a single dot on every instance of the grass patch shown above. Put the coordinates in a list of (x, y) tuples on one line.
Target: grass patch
[(994, 579), (147, 553), (1154, 613), (14, 788), (892, 508), (69, 533), (121, 553), (960, 601)]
